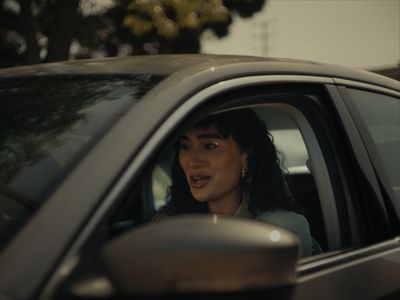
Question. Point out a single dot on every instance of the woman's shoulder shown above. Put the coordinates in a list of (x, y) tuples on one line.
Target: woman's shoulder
[(282, 217), (293, 222)]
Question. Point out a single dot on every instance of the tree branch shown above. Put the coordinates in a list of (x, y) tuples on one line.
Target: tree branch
[(10, 21), (29, 30), (62, 30)]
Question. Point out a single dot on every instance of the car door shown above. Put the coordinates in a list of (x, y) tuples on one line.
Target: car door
[(359, 235)]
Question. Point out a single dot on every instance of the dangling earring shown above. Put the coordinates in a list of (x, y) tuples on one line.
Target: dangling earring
[(244, 172)]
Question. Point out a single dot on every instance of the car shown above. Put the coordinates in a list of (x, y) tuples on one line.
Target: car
[(85, 163)]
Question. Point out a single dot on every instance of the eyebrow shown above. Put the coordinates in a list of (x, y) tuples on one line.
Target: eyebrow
[(210, 136), (206, 136)]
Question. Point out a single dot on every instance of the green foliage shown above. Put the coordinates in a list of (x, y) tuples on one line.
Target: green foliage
[(168, 17), (33, 31)]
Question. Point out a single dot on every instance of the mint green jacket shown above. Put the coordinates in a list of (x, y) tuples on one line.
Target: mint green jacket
[(289, 220)]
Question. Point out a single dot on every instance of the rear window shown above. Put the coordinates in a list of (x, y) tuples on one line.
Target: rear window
[(47, 125)]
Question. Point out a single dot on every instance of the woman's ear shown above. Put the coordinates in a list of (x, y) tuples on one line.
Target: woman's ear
[(244, 158)]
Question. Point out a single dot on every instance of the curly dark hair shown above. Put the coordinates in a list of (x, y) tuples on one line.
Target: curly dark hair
[(264, 183)]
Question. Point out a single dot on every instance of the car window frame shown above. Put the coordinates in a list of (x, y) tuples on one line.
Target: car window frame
[(303, 122)]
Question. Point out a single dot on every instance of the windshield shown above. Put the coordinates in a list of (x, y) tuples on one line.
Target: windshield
[(47, 124)]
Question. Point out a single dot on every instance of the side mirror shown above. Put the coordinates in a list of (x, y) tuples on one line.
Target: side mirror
[(201, 254)]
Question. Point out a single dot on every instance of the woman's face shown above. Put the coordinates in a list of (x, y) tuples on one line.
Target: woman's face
[(212, 165)]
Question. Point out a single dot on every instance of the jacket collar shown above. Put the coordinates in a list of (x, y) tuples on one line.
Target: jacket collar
[(243, 211)]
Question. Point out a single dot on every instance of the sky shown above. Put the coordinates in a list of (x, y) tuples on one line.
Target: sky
[(357, 33)]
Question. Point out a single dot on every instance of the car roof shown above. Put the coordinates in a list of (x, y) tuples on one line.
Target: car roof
[(174, 63)]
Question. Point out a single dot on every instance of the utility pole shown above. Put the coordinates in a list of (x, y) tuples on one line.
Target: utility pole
[(264, 36)]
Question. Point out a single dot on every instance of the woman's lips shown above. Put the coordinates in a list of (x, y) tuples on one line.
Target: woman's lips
[(199, 181)]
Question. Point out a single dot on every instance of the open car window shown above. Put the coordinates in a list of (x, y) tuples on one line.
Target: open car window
[(294, 161)]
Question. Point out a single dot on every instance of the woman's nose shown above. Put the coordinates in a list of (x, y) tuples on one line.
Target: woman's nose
[(196, 159)]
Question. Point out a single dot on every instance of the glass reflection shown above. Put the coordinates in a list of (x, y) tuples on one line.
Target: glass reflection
[(47, 124)]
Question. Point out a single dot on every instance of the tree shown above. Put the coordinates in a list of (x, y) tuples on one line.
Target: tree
[(34, 31)]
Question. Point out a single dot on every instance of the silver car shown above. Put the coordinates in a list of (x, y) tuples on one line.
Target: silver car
[(85, 163)]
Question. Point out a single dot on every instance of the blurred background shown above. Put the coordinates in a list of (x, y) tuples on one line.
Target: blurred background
[(357, 33)]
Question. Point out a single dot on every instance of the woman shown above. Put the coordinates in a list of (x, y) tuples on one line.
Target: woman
[(227, 164)]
